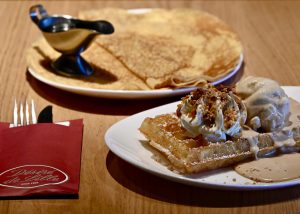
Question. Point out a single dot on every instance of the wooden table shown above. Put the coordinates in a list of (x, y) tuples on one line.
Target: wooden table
[(270, 32)]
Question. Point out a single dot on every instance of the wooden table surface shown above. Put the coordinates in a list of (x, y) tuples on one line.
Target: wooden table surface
[(270, 33)]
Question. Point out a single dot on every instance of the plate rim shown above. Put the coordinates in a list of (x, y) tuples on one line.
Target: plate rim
[(128, 94), (190, 181)]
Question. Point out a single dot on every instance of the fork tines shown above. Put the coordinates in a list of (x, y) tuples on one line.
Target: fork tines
[(18, 117)]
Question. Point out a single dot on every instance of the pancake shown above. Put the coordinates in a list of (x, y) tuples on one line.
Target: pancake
[(150, 58), (154, 50), (109, 73), (184, 47)]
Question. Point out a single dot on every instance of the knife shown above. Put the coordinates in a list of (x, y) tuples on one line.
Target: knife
[(45, 116)]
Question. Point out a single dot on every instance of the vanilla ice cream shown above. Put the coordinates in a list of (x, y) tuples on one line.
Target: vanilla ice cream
[(266, 102), (212, 113)]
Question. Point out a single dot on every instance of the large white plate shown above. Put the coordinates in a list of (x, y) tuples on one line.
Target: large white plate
[(128, 94), (124, 140)]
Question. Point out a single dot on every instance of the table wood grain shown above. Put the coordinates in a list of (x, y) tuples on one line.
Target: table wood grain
[(270, 33)]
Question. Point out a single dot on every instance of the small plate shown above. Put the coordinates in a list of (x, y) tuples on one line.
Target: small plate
[(125, 140)]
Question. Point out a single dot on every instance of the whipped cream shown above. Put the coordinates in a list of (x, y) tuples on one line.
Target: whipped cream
[(267, 104), (212, 113)]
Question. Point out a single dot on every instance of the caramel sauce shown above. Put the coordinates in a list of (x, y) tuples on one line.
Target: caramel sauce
[(276, 169)]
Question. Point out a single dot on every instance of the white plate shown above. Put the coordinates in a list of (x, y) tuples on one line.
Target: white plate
[(128, 94), (124, 140)]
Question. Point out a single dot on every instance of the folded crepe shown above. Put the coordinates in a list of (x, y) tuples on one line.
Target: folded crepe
[(109, 73), (157, 49), (169, 48)]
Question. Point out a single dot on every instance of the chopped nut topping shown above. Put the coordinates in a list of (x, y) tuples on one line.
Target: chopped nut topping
[(211, 111)]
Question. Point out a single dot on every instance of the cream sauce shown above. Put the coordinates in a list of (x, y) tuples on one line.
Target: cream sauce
[(276, 169), (283, 138), (252, 138)]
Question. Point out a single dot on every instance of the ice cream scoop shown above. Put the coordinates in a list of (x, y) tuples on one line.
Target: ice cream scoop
[(213, 113), (266, 102)]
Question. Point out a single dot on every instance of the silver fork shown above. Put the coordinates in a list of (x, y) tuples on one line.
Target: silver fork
[(18, 116)]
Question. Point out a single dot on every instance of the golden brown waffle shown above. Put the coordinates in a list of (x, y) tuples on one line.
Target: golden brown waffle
[(191, 155)]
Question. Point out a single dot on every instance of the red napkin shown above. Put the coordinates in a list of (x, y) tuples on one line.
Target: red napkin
[(40, 159)]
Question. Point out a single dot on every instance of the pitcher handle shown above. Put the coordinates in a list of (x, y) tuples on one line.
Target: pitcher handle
[(37, 12)]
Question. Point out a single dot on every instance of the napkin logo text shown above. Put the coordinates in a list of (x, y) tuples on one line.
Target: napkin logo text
[(32, 176)]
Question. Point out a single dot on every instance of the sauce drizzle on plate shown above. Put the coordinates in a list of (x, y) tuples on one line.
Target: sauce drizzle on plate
[(275, 169)]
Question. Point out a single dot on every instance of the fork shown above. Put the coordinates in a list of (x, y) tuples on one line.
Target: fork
[(18, 116)]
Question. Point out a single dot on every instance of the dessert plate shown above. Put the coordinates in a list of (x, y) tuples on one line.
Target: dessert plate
[(125, 140)]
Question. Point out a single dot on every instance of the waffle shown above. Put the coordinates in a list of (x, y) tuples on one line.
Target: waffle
[(192, 155)]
